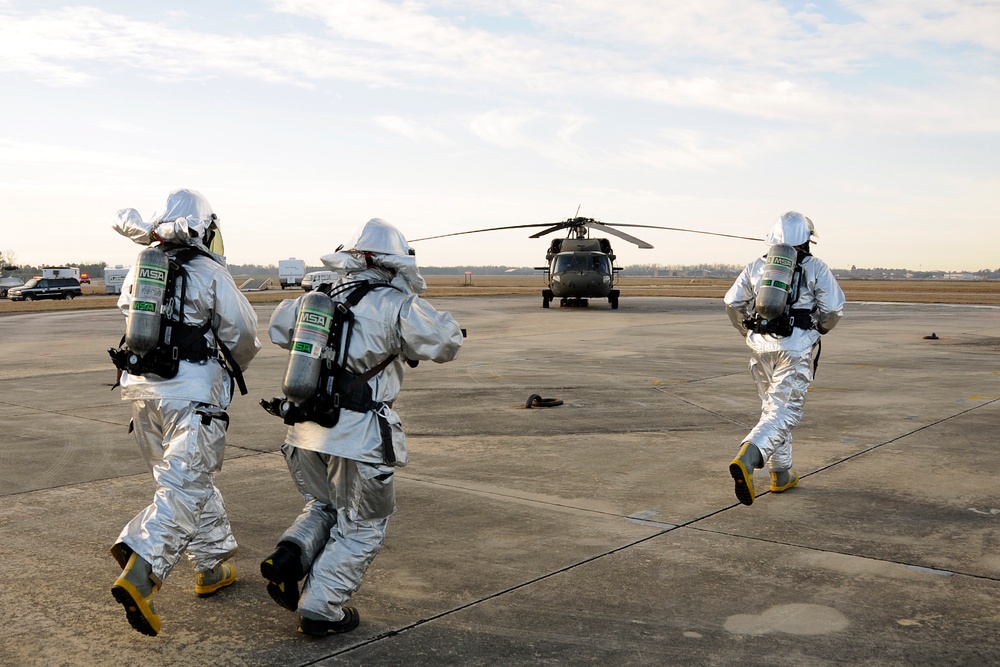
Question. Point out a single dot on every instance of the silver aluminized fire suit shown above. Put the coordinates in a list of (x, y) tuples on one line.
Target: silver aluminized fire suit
[(341, 472), (783, 367), (180, 423)]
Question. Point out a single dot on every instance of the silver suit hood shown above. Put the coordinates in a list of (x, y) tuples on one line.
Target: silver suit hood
[(389, 251), (183, 219), (792, 228)]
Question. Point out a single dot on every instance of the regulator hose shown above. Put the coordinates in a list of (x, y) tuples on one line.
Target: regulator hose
[(536, 401)]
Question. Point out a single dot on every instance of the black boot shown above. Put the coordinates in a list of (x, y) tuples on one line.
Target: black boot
[(283, 571), (320, 627)]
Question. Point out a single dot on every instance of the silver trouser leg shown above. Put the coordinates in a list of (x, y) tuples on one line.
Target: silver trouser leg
[(311, 529), (183, 451), (364, 498), (782, 379), (336, 575)]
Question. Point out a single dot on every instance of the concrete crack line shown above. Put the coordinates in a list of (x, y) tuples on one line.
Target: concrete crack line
[(900, 437), (701, 407), (629, 545), (520, 498), (491, 596), (61, 414), (925, 568)]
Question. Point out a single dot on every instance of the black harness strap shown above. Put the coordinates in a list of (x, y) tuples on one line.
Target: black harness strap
[(178, 340), (232, 367), (793, 318), (339, 388)]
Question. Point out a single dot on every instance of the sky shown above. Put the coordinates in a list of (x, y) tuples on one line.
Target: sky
[(301, 119)]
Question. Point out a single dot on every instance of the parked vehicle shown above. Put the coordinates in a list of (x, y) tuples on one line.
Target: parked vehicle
[(9, 283), (316, 278), (46, 288), (84, 278), (291, 272), (113, 279), (62, 272)]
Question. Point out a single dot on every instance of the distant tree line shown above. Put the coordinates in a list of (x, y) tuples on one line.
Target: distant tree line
[(96, 270), (27, 271)]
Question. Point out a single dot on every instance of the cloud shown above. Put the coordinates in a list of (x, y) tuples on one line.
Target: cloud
[(34, 154), (756, 59), (409, 129), (681, 149), (552, 136), (118, 125)]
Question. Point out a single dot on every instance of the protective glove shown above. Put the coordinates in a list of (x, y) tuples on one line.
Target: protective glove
[(130, 224)]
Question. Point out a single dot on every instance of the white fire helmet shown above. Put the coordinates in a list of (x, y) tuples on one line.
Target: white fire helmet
[(192, 207), (379, 236), (792, 228)]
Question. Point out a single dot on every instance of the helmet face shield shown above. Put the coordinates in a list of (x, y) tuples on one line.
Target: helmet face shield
[(216, 245)]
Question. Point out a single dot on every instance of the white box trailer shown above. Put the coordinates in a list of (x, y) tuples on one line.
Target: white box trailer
[(61, 272), (113, 278), (290, 272)]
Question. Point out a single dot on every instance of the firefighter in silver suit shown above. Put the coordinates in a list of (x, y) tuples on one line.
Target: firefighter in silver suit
[(782, 365), (345, 472), (180, 422)]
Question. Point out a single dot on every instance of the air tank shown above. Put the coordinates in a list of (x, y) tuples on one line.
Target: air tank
[(142, 332), (312, 330), (779, 268)]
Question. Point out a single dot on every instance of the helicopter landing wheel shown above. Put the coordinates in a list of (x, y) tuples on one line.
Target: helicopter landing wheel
[(613, 299), (547, 297)]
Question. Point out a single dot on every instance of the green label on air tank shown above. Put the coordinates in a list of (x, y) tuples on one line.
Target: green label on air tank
[(302, 346), (314, 320), (145, 306), (152, 274)]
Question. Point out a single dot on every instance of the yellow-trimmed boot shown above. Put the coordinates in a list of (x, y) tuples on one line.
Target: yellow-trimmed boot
[(783, 480), (133, 590), (209, 583), (321, 627), (742, 469)]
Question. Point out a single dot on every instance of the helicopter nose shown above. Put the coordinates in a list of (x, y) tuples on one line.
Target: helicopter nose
[(579, 281)]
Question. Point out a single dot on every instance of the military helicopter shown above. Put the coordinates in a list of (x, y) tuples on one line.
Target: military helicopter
[(580, 268)]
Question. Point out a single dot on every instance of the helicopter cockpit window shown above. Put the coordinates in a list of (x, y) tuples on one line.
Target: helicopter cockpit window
[(601, 263), (571, 262)]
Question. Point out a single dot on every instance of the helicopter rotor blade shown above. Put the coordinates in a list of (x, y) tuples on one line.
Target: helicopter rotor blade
[(602, 227), (476, 231), (553, 228), (607, 227), (692, 231)]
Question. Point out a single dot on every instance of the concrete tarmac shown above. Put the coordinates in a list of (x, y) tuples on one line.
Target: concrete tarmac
[(601, 531)]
